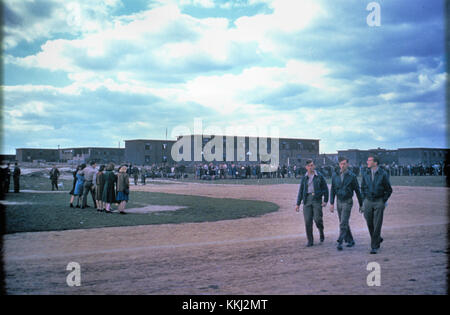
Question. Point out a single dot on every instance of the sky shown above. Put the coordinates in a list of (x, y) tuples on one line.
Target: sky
[(96, 73)]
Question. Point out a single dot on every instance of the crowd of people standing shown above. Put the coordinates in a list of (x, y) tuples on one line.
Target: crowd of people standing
[(105, 186)]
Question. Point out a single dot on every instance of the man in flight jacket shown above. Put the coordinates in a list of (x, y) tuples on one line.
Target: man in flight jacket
[(314, 194)]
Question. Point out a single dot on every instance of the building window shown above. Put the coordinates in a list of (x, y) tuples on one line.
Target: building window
[(147, 159), (148, 147)]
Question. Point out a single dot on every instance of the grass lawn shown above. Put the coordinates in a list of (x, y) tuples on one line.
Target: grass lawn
[(51, 212)]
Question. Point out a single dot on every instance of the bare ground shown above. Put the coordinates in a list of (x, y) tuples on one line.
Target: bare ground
[(264, 255)]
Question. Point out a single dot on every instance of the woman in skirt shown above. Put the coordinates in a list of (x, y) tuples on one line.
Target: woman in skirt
[(79, 185), (100, 183), (109, 192), (123, 188), (72, 192)]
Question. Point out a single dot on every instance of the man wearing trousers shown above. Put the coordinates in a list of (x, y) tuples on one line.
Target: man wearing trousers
[(375, 190), (89, 173), (343, 185), (313, 192)]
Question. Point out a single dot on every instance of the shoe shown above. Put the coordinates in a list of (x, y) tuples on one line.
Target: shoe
[(351, 244), (109, 212), (77, 206), (122, 212), (381, 241), (71, 205), (309, 244), (374, 251), (322, 238), (339, 247)]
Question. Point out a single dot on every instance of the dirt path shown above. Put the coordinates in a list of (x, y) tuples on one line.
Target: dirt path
[(264, 255)]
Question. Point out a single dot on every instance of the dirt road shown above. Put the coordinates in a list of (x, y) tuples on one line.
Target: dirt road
[(264, 255)]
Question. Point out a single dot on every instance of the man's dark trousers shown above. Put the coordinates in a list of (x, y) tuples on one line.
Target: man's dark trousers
[(373, 213), (88, 187), (344, 209), (312, 211), (54, 184)]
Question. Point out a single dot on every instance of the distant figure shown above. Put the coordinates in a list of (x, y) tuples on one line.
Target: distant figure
[(54, 175), (7, 178), (109, 192), (16, 178), (72, 191), (143, 176), (135, 175), (78, 192), (100, 183), (123, 188)]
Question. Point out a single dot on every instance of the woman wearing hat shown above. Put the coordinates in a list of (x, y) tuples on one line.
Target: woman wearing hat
[(79, 184), (100, 183), (108, 194), (123, 188)]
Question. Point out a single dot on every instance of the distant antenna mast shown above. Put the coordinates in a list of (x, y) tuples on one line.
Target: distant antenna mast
[(166, 133)]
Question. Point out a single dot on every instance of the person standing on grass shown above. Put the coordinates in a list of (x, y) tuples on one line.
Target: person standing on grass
[(54, 175), (89, 186), (16, 178), (7, 178), (99, 184), (109, 192), (78, 192), (313, 192), (343, 184), (375, 190), (123, 188), (72, 191)]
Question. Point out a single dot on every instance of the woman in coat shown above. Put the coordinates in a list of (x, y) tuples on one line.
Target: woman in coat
[(79, 185), (72, 192), (100, 183), (123, 188), (109, 192)]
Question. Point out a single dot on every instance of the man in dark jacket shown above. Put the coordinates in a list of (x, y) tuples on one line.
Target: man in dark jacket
[(376, 190), (343, 184), (313, 192), (54, 175), (16, 178)]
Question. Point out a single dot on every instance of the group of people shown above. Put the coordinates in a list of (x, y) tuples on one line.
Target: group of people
[(372, 196), (5, 178), (103, 184)]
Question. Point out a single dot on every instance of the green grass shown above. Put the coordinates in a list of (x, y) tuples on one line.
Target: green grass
[(51, 212)]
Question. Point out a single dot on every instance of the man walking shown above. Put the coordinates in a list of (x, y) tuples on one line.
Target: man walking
[(376, 190), (343, 184), (88, 186), (313, 192), (54, 175)]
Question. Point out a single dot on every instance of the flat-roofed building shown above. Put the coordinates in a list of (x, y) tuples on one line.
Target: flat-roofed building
[(31, 155), (148, 151), (247, 149)]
